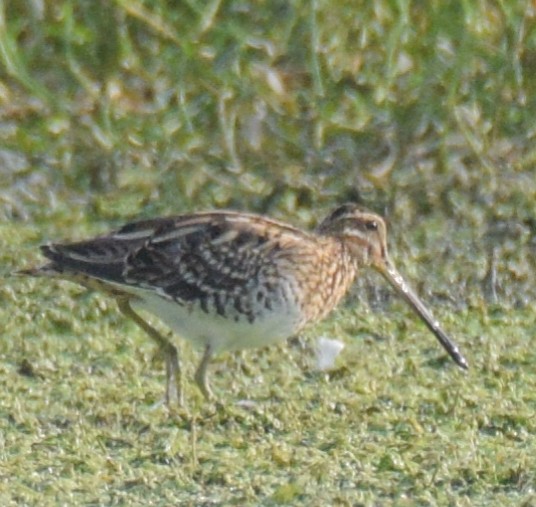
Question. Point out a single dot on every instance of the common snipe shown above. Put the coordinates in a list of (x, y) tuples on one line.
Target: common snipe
[(226, 280)]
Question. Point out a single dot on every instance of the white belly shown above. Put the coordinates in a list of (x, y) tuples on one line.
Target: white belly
[(221, 333)]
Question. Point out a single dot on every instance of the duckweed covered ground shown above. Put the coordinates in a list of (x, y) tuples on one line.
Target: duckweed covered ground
[(422, 111)]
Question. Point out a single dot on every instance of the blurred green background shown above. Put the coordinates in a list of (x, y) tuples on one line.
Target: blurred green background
[(422, 111)]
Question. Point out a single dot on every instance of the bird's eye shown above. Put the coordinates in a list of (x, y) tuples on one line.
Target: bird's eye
[(371, 226)]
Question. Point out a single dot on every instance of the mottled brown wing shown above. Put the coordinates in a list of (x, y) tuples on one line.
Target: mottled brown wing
[(188, 258), (207, 257), (102, 257)]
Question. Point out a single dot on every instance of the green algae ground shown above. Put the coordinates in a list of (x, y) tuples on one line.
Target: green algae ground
[(422, 111)]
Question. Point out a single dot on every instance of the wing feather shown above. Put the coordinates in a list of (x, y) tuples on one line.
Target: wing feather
[(188, 257)]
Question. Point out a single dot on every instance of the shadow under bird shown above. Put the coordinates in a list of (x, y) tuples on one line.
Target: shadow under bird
[(227, 280)]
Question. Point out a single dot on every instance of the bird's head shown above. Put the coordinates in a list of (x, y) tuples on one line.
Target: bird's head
[(363, 232)]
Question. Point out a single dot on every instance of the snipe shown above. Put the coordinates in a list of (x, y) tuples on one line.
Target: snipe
[(226, 280)]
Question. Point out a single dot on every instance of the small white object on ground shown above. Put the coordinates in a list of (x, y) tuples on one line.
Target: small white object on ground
[(327, 351)]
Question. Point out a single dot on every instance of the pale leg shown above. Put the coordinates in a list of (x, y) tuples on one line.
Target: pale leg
[(174, 391), (201, 374)]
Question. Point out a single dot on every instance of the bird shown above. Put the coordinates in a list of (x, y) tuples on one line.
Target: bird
[(229, 280)]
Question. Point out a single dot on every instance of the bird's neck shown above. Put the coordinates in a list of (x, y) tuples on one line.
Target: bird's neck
[(336, 271)]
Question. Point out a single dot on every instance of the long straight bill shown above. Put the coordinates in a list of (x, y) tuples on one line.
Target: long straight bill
[(395, 279)]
